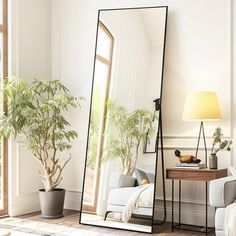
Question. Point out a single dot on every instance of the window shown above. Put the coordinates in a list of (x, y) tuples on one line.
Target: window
[(3, 74), (101, 84)]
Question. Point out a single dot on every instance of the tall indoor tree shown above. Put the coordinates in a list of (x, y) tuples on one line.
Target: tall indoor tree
[(37, 111)]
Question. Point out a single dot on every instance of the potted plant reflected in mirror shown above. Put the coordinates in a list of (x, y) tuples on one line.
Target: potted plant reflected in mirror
[(217, 145), (129, 130), (37, 111)]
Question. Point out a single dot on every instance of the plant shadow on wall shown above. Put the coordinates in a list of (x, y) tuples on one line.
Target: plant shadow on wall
[(37, 110), (126, 132)]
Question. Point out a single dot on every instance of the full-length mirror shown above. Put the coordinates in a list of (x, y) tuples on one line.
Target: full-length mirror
[(119, 178)]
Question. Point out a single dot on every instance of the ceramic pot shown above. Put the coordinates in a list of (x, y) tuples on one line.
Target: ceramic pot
[(52, 203), (213, 162)]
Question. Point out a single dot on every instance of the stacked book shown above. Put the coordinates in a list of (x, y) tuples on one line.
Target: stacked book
[(190, 165)]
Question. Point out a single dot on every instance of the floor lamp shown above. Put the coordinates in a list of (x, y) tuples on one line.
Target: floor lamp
[(201, 106)]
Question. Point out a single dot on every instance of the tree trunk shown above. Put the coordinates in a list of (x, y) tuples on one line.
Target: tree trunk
[(47, 181), (127, 169)]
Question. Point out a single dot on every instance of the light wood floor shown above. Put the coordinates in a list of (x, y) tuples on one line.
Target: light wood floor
[(71, 219)]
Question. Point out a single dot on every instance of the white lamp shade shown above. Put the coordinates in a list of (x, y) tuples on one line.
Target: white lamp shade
[(201, 106)]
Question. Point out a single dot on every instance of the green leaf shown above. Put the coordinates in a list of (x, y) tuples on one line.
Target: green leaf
[(37, 110)]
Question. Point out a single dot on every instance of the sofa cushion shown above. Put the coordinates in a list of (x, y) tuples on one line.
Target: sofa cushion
[(230, 220), (222, 191), (120, 196), (126, 181), (140, 176), (219, 218), (120, 181)]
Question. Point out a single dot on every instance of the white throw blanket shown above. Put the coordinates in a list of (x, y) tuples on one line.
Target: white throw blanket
[(230, 220), (142, 197)]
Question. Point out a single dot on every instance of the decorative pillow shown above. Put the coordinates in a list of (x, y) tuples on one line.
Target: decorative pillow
[(140, 176), (126, 181), (144, 181), (233, 170), (121, 181)]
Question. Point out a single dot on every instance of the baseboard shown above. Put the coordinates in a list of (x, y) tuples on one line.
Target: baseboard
[(24, 205), (73, 200), (191, 213)]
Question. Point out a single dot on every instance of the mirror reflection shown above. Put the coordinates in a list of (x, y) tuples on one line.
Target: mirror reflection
[(119, 181)]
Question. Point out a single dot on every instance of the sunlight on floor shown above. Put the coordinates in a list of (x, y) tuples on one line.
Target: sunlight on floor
[(99, 221)]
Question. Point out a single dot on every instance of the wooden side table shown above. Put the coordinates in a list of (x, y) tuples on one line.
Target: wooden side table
[(193, 175)]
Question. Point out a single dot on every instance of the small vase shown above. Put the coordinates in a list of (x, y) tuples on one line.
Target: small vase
[(213, 161)]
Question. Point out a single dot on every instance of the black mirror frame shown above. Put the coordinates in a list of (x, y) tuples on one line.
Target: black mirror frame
[(159, 136)]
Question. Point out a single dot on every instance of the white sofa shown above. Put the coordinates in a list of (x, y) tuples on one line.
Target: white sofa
[(121, 189), (222, 194)]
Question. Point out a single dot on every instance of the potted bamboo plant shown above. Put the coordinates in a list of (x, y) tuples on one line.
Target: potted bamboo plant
[(37, 111)]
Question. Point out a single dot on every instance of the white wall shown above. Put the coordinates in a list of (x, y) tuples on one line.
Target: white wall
[(130, 56), (30, 57), (199, 55)]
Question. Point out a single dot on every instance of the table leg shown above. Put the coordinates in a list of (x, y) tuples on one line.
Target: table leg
[(172, 221), (179, 203), (206, 227)]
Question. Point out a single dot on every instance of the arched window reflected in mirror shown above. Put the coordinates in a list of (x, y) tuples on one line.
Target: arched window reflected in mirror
[(101, 86)]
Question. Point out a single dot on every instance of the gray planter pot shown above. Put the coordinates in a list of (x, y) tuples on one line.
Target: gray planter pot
[(213, 161), (52, 203)]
